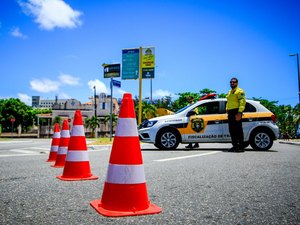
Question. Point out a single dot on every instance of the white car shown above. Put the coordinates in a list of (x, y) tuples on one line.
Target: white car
[(210, 125)]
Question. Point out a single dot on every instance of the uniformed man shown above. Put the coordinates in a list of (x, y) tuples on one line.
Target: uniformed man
[(235, 107), (191, 101)]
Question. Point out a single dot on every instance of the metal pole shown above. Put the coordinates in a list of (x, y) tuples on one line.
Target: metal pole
[(95, 105), (110, 119), (298, 76), (140, 88), (297, 55), (151, 90)]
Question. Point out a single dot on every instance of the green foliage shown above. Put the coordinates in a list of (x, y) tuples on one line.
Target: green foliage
[(13, 107)]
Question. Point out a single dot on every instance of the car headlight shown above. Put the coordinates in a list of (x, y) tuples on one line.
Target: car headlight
[(147, 124)]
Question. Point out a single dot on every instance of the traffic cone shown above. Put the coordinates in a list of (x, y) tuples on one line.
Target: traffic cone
[(125, 191), (77, 165), (63, 145), (54, 144)]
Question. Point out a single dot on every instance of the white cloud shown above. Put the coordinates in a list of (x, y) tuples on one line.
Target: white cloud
[(44, 85), (17, 33), (63, 95), (25, 98), (68, 79), (162, 93), (50, 14), (100, 86)]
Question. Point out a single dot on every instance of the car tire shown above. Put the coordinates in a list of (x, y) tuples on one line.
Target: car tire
[(261, 140), (167, 139)]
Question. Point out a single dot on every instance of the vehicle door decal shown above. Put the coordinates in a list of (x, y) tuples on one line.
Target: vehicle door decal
[(197, 124)]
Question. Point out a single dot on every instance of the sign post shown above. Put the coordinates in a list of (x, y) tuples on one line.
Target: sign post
[(12, 120), (110, 71)]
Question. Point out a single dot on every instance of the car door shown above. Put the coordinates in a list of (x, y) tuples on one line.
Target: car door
[(206, 126)]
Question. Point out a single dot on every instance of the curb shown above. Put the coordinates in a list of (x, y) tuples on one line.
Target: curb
[(289, 143)]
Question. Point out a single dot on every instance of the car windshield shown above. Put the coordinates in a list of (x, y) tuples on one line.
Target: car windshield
[(184, 108)]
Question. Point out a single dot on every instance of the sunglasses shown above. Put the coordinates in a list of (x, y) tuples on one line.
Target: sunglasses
[(233, 82)]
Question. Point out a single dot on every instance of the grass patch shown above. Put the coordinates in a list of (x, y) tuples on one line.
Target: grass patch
[(100, 141)]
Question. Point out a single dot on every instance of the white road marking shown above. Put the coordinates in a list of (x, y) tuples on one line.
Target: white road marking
[(18, 155), (23, 151), (188, 156)]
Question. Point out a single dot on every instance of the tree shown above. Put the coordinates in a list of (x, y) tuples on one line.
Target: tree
[(92, 123), (148, 110), (57, 119), (114, 120), (13, 107)]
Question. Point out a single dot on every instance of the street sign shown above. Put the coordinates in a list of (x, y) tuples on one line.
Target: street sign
[(148, 62), (130, 63), (111, 70), (116, 83), (12, 120)]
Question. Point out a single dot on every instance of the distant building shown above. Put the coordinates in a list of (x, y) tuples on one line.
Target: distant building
[(65, 109), (37, 102)]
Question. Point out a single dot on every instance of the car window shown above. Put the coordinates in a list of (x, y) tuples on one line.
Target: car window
[(249, 108), (208, 108)]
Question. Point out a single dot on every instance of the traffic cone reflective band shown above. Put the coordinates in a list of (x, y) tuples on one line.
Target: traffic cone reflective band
[(63, 145), (77, 165), (125, 191), (54, 143)]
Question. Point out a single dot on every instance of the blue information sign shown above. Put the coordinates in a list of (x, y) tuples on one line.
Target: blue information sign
[(130, 63)]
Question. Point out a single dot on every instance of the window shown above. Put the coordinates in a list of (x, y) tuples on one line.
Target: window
[(208, 108), (249, 108), (103, 105)]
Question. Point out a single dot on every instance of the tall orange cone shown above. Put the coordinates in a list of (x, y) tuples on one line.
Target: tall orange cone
[(54, 144), (77, 165), (125, 191), (63, 145)]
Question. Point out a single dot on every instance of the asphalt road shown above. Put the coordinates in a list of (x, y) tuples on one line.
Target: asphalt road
[(204, 186)]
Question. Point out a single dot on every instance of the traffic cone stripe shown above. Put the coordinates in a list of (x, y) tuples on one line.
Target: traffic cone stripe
[(125, 174), (126, 127), (56, 135), (54, 148), (65, 133), (62, 150), (78, 130), (77, 156)]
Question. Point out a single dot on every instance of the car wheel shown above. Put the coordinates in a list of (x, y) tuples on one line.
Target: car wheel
[(167, 139), (261, 140)]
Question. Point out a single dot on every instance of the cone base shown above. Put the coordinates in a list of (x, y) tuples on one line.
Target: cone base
[(97, 205), (61, 177), (57, 166)]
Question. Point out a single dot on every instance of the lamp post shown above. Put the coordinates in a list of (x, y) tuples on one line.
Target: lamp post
[(296, 54), (95, 104)]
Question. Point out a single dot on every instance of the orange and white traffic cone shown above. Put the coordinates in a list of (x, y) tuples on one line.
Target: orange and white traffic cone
[(77, 165), (125, 191), (63, 145), (54, 144)]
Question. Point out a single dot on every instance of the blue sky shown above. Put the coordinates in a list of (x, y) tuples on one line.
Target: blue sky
[(54, 47)]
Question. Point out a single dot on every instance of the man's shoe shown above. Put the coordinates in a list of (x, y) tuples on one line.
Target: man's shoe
[(233, 149), (196, 145), (240, 150), (189, 146)]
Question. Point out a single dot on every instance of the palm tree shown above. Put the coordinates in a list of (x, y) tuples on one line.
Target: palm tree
[(92, 123), (114, 119)]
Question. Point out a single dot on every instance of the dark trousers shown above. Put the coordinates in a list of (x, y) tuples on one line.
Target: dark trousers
[(235, 129)]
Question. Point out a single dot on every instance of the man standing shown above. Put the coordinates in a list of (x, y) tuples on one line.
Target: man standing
[(236, 102), (191, 101)]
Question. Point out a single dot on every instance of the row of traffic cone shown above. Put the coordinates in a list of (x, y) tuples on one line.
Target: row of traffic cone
[(125, 191)]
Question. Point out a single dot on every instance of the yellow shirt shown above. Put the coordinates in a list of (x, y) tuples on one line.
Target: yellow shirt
[(236, 99)]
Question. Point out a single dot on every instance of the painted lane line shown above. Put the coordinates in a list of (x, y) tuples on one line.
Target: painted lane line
[(23, 151), (185, 157), (18, 155)]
